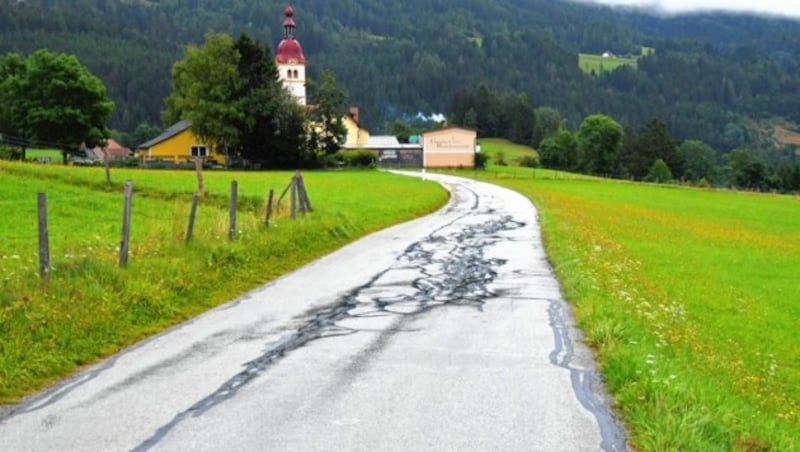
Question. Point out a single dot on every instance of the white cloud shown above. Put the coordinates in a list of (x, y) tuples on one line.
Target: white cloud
[(771, 7)]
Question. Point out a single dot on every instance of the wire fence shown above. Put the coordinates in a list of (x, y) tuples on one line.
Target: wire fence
[(67, 227)]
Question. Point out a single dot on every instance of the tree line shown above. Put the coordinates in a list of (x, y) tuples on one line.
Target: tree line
[(602, 146), (724, 82), (229, 90)]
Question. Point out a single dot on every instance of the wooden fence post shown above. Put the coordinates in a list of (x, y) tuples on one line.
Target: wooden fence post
[(305, 203), (198, 168), (269, 205), (293, 198), (106, 165), (126, 225), (44, 240), (192, 215), (234, 195)]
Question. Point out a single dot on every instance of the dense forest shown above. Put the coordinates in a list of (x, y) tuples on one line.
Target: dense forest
[(726, 80)]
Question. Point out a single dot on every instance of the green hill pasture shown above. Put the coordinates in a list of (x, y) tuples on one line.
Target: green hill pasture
[(512, 153), (91, 308), (598, 64)]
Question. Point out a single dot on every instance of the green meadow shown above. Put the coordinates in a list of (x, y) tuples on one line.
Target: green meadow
[(512, 154), (598, 64), (690, 299), (91, 308)]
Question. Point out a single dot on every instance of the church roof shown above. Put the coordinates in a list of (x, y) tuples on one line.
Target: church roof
[(289, 49)]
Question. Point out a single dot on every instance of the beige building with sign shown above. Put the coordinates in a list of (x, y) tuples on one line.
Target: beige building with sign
[(450, 147)]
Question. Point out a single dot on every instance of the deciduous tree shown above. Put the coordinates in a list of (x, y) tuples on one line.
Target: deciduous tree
[(559, 151), (204, 85), (699, 160), (51, 98), (599, 143)]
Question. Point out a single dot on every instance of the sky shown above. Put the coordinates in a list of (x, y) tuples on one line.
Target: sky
[(772, 7)]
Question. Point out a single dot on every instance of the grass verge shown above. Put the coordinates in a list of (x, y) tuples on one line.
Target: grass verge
[(91, 308), (689, 298)]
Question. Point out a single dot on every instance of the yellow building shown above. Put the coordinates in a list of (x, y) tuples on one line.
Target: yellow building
[(357, 136), (178, 144)]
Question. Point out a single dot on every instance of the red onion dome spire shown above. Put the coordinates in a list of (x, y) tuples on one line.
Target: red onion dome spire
[(289, 49)]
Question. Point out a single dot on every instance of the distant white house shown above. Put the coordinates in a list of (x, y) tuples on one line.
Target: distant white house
[(609, 54)]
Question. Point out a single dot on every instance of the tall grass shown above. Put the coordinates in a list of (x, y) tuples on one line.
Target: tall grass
[(691, 299), (91, 308)]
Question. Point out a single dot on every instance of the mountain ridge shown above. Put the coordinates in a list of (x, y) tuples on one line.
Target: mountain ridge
[(406, 57)]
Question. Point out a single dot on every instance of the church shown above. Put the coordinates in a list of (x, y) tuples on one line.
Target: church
[(290, 60), (450, 147)]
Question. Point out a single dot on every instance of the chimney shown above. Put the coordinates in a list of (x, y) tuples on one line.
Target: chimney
[(354, 113)]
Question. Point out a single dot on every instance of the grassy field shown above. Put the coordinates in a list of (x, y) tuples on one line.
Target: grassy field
[(689, 297), (598, 64), (511, 153), (91, 308)]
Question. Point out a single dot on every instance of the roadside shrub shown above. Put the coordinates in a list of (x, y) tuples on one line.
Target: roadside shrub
[(357, 158), (481, 158), (500, 159)]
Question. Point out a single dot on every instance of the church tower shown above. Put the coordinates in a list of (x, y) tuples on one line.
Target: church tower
[(290, 60)]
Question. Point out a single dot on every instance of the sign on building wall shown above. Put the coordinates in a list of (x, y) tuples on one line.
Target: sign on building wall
[(449, 148)]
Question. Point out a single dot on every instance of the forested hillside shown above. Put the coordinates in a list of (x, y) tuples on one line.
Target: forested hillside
[(719, 79)]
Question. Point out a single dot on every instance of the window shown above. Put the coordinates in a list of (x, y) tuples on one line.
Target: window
[(288, 73), (199, 151), (295, 74)]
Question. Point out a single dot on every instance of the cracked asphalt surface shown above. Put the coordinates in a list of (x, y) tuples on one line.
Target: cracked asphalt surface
[(445, 333)]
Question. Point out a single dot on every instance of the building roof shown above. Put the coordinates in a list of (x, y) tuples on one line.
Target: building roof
[(448, 128), (114, 149), (383, 141), (175, 129), (289, 50)]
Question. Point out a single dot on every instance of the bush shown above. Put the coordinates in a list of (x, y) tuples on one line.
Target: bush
[(357, 158), (481, 158), (659, 173), (500, 159), (529, 161), (7, 153)]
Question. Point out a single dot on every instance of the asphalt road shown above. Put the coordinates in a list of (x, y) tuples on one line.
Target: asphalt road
[(445, 333)]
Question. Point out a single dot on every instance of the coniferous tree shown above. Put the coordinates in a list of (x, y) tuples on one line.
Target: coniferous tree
[(272, 128)]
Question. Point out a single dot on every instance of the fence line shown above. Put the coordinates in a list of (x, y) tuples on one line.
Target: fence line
[(233, 203), (44, 240), (296, 188), (126, 225)]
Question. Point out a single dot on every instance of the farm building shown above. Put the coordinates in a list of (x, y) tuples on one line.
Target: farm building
[(114, 150), (450, 147), (357, 135), (177, 144)]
